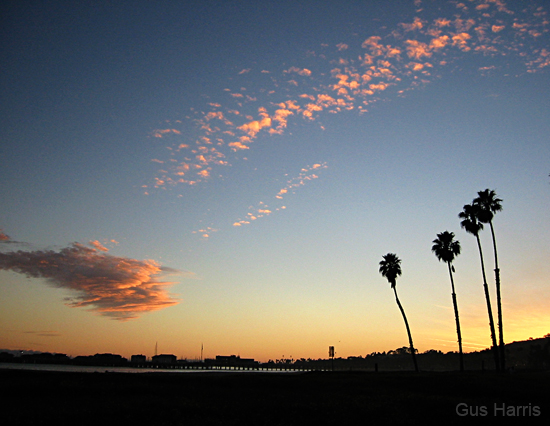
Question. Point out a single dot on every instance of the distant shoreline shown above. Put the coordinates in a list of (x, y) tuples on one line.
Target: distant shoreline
[(530, 354), (64, 368)]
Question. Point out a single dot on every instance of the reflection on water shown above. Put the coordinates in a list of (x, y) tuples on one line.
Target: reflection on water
[(103, 369)]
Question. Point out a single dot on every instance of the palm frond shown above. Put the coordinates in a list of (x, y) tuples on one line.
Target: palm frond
[(488, 204), (390, 268), (445, 247), (470, 222)]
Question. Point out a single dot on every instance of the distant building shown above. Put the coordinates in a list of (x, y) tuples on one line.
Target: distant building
[(164, 359), (100, 359), (44, 358), (138, 359), (234, 361)]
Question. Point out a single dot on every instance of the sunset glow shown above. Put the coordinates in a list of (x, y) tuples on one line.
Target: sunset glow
[(199, 173)]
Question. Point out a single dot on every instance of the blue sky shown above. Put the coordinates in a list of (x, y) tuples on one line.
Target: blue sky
[(261, 158)]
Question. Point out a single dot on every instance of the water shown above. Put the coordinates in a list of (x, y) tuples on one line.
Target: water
[(100, 369)]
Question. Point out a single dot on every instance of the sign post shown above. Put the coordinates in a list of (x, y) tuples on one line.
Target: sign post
[(331, 355)]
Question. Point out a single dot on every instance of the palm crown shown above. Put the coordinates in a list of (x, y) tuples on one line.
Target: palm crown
[(488, 204), (470, 222), (390, 268), (445, 247)]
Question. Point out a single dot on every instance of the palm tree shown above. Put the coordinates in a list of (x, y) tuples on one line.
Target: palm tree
[(488, 204), (472, 225), (446, 249), (390, 268)]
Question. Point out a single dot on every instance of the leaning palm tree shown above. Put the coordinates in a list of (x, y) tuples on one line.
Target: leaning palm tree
[(472, 225), (446, 248), (488, 204), (390, 268)]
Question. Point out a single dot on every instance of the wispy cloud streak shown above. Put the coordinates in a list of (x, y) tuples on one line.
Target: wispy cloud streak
[(262, 209), (265, 209)]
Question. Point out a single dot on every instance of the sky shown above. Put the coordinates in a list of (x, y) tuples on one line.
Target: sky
[(229, 174)]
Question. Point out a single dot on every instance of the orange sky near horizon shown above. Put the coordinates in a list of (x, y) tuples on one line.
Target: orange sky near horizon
[(197, 173)]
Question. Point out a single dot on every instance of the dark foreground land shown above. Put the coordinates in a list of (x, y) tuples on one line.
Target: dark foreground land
[(315, 398)]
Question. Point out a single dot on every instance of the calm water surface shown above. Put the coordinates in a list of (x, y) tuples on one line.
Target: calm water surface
[(99, 369)]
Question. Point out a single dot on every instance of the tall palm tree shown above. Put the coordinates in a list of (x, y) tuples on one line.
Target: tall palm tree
[(472, 225), (390, 268), (446, 248), (488, 204)]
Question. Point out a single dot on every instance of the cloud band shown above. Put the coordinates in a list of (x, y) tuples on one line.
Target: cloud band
[(118, 287)]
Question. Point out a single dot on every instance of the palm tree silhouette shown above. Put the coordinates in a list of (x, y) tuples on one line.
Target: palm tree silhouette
[(446, 248), (472, 225), (390, 268), (488, 204)]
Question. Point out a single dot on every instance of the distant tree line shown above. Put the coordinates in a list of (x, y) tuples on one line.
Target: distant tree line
[(528, 354)]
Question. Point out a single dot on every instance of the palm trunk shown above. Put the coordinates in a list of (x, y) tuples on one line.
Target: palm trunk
[(458, 333), (499, 304), (489, 310), (408, 330)]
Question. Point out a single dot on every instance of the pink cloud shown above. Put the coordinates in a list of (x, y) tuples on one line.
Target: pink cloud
[(542, 61), (253, 127), (373, 44), (442, 22), (263, 210), (159, 133), (98, 246), (417, 49), (238, 145), (463, 25), (204, 173), (415, 25), (482, 6), (461, 40), (393, 58), (117, 287), (300, 71), (439, 43)]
